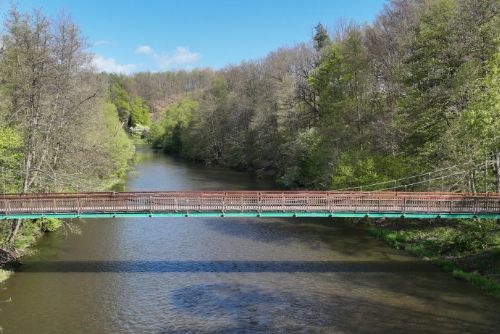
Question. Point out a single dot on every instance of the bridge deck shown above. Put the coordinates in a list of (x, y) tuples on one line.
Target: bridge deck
[(250, 203)]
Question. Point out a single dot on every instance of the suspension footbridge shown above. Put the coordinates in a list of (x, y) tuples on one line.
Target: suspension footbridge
[(251, 204)]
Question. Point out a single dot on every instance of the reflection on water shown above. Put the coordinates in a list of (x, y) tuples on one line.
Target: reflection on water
[(194, 275)]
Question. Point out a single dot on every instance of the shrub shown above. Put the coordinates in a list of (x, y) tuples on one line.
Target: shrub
[(49, 224)]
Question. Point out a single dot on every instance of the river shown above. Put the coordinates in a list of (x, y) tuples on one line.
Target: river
[(225, 275)]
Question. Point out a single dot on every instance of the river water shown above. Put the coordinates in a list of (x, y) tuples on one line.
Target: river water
[(225, 275)]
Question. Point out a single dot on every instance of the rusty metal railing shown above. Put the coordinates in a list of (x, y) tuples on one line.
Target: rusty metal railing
[(267, 203)]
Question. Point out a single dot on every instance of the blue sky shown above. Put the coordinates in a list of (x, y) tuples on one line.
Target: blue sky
[(129, 36)]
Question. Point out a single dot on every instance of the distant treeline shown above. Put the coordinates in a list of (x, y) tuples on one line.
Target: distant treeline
[(415, 91)]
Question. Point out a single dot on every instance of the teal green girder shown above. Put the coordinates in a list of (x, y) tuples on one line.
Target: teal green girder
[(269, 214)]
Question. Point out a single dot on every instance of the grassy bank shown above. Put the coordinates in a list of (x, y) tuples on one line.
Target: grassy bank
[(469, 249), (29, 233), (4, 274)]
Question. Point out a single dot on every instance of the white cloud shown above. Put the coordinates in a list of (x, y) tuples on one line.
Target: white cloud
[(182, 57), (100, 43), (145, 50), (109, 65)]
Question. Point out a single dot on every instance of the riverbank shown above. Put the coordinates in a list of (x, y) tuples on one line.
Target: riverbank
[(5, 257), (469, 250), (33, 230), (230, 275)]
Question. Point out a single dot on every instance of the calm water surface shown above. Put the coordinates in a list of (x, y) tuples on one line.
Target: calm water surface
[(228, 275)]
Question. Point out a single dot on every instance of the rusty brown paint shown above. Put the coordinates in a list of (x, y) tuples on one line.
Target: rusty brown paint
[(251, 201)]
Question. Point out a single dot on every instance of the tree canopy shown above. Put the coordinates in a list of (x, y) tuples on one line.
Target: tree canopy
[(413, 92)]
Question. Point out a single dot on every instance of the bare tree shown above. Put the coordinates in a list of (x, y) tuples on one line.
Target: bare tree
[(46, 75)]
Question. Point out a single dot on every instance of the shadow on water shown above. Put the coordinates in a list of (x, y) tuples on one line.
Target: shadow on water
[(252, 309), (232, 275), (317, 233), (225, 266)]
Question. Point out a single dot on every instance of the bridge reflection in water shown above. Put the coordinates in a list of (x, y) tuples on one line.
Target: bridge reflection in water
[(251, 204)]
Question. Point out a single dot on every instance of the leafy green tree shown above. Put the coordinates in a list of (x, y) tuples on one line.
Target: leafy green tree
[(139, 112), (356, 168), (307, 169), (321, 38), (474, 136), (117, 147), (121, 99), (11, 160), (55, 135), (412, 92), (168, 131), (431, 68)]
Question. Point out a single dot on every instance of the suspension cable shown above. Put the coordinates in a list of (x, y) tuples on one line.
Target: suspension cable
[(487, 163), (481, 165)]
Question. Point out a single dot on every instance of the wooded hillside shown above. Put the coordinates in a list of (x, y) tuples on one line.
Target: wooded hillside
[(415, 92)]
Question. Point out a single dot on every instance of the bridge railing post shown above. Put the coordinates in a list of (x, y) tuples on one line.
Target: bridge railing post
[(328, 203), (78, 206), (224, 202), (282, 201), (259, 202)]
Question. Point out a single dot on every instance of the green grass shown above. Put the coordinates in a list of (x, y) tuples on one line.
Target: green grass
[(485, 283), (4, 274), (469, 249), (29, 232)]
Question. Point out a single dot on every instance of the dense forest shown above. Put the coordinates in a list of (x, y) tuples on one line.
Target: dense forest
[(409, 101), (415, 93), (58, 129)]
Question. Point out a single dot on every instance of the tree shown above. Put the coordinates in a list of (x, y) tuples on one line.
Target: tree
[(167, 132), (474, 135), (121, 99), (409, 93), (321, 38), (51, 94), (11, 159), (139, 112)]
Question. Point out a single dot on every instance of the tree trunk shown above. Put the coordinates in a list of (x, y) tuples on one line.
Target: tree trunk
[(472, 181), (16, 225), (496, 165)]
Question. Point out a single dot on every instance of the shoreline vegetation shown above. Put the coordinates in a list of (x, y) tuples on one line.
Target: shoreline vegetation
[(32, 230), (408, 102), (48, 143), (468, 249), (36, 228)]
